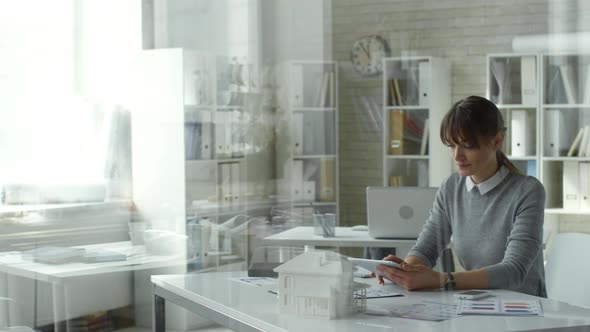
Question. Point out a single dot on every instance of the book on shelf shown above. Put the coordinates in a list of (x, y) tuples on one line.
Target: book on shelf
[(575, 147), (392, 101), (528, 80), (584, 143), (396, 132), (576, 185), (568, 83), (396, 181), (398, 92), (424, 143), (327, 180), (332, 90)]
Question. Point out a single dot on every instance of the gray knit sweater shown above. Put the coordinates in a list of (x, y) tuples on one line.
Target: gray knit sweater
[(500, 231)]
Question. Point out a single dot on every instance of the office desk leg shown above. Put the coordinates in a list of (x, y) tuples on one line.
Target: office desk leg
[(159, 322)]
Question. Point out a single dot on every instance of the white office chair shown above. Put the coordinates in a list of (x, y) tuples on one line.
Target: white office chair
[(567, 269)]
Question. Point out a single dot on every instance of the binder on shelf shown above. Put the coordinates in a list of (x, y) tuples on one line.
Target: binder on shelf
[(206, 136), (308, 133), (225, 184), (584, 192), (424, 142), (220, 144), (237, 134), (297, 180), (568, 83), (327, 188), (235, 184), (570, 185), (584, 142), (522, 140), (297, 86), (396, 132), (555, 135), (507, 135), (309, 191), (586, 86), (575, 147), (424, 83), (528, 77), (422, 173), (227, 123), (298, 133)]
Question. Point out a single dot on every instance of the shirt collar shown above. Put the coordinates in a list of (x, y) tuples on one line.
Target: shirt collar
[(488, 184)]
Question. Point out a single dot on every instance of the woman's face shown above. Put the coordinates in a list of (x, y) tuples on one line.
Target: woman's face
[(477, 162)]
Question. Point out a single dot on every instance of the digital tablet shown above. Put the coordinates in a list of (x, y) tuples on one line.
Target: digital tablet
[(371, 264)]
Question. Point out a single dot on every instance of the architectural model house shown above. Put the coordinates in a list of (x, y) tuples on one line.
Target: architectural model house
[(319, 284)]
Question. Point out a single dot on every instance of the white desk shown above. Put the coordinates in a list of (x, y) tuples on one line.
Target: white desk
[(345, 237), (242, 307), (73, 275)]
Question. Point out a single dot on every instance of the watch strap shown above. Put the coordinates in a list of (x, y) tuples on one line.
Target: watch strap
[(450, 283)]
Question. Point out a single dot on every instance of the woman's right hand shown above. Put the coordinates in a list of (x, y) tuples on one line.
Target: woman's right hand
[(391, 258)]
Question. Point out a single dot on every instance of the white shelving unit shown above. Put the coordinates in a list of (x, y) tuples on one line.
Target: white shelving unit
[(307, 144), (557, 110), (517, 95), (190, 157), (416, 96)]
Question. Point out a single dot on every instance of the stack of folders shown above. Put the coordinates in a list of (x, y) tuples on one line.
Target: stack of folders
[(580, 146), (500, 307)]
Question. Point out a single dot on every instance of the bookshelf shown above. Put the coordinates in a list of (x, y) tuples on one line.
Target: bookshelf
[(192, 145), (416, 96), (555, 115), (307, 141)]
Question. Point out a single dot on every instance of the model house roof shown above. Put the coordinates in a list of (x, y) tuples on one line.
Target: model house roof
[(316, 263)]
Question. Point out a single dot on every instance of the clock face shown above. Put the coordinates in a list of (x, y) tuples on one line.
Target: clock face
[(367, 54)]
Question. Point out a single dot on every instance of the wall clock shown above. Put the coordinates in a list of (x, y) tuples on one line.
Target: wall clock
[(367, 54)]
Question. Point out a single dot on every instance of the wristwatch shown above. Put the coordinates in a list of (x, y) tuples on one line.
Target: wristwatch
[(450, 283)]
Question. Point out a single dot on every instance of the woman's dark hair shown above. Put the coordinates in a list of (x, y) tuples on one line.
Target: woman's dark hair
[(473, 118)]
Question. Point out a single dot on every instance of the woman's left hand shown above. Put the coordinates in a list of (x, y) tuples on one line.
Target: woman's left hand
[(412, 276)]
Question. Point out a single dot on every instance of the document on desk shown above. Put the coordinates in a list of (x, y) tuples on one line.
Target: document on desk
[(376, 292), (257, 281), (500, 307), (421, 309)]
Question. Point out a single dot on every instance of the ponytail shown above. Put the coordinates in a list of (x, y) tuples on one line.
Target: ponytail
[(504, 161)]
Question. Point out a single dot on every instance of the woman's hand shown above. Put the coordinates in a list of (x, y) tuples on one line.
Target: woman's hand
[(411, 276)]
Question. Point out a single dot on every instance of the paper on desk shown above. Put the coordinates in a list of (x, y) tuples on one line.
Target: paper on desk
[(257, 281), (376, 292), (422, 310), (500, 307)]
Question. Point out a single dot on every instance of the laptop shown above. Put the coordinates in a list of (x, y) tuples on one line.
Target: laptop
[(398, 212)]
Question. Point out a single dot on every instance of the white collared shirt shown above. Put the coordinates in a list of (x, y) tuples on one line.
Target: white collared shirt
[(488, 184)]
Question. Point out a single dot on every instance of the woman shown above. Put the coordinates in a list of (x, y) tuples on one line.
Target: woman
[(494, 213)]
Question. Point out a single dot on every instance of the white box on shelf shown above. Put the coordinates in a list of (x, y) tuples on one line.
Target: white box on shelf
[(235, 184), (220, 144), (206, 136)]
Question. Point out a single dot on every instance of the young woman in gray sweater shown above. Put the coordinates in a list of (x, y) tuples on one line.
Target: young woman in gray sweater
[(493, 211)]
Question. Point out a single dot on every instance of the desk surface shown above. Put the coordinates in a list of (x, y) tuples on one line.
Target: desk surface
[(16, 263), (345, 237), (245, 307)]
